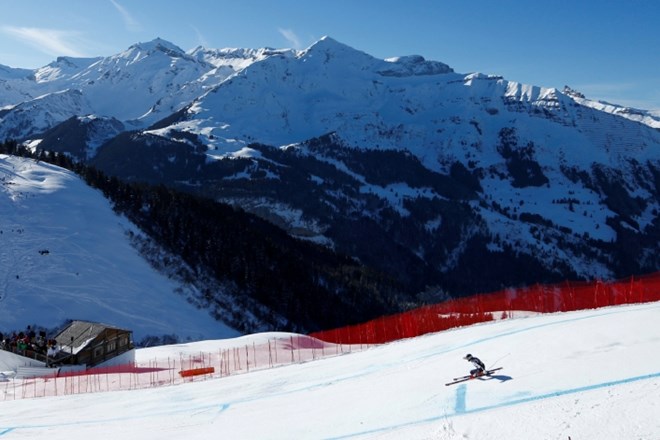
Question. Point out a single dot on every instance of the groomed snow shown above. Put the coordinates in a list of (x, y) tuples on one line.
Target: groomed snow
[(581, 375)]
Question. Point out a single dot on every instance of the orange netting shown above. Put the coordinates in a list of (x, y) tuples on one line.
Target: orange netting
[(563, 297)]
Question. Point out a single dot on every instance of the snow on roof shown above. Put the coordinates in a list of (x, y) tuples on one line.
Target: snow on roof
[(78, 334)]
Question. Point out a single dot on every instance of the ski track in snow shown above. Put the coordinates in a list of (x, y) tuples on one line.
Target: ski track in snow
[(461, 406)]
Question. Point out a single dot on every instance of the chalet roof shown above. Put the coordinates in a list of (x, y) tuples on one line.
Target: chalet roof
[(81, 332)]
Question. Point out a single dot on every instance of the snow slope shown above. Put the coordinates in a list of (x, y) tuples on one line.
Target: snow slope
[(582, 375), (64, 254)]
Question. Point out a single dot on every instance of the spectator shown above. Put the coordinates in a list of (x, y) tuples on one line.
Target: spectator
[(53, 349)]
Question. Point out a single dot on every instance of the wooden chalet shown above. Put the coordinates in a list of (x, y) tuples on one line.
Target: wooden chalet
[(92, 343)]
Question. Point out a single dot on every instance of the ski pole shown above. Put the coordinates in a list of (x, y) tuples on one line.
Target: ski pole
[(497, 361)]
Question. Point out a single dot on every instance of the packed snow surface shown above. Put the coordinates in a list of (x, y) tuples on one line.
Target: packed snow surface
[(581, 375)]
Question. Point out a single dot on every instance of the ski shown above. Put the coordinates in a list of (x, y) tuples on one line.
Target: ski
[(455, 381), (462, 377), (485, 373), (466, 378)]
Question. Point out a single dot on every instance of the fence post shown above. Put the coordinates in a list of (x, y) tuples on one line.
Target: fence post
[(270, 356)]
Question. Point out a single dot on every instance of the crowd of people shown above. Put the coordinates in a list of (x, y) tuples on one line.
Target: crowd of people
[(29, 343)]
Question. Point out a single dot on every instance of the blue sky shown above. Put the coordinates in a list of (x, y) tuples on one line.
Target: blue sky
[(607, 49)]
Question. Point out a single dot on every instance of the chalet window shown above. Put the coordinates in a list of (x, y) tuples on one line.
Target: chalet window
[(123, 341), (98, 351), (112, 346)]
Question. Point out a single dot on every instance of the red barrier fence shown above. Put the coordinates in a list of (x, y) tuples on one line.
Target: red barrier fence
[(236, 358), (563, 297), (233, 356)]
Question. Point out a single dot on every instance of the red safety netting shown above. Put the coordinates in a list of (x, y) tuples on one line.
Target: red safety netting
[(283, 350), (562, 297), (234, 358)]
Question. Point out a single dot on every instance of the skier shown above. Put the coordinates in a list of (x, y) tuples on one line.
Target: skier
[(479, 369)]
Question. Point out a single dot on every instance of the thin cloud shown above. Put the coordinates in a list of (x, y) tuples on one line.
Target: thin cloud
[(52, 42), (129, 21), (200, 38), (291, 37)]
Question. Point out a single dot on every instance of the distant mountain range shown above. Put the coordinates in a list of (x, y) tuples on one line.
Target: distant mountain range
[(451, 183)]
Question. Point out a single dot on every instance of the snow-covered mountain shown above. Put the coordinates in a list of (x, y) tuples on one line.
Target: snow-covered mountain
[(149, 81), (65, 254), (465, 181), (145, 83), (139, 86)]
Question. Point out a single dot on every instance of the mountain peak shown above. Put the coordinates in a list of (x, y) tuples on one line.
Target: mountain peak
[(328, 51), (328, 40), (328, 44), (402, 66), (414, 65), (158, 44)]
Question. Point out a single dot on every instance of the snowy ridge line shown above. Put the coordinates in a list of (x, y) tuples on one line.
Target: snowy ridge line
[(464, 411)]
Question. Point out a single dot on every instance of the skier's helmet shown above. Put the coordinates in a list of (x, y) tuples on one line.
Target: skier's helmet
[(468, 356)]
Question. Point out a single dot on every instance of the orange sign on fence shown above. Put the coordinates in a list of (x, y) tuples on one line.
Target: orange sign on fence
[(197, 371)]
